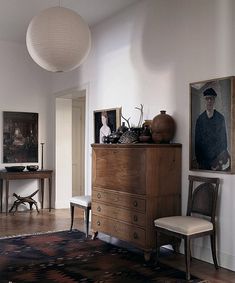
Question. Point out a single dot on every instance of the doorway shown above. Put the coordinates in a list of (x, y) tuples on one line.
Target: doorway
[(70, 146)]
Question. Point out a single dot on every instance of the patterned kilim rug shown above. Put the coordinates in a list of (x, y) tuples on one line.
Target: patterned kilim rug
[(70, 257)]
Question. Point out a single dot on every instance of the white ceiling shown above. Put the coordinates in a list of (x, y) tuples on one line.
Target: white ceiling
[(15, 15)]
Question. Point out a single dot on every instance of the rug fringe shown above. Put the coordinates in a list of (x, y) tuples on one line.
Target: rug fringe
[(32, 234)]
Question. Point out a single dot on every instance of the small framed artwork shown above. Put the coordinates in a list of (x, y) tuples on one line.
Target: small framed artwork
[(106, 121), (20, 137), (212, 134)]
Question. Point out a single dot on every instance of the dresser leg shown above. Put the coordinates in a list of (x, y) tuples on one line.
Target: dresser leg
[(147, 256), (94, 235), (176, 245)]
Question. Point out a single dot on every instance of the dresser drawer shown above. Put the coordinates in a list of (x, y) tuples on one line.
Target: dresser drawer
[(120, 230), (120, 169), (119, 199), (117, 213)]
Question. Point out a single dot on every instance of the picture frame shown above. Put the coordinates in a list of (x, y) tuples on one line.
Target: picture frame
[(212, 117), (113, 120), (20, 137)]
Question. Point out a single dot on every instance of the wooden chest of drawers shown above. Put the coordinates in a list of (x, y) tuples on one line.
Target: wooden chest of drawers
[(133, 184)]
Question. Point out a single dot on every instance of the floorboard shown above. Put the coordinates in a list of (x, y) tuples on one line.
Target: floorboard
[(23, 223)]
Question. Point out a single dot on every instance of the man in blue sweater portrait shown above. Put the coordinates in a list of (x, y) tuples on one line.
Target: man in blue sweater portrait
[(211, 137)]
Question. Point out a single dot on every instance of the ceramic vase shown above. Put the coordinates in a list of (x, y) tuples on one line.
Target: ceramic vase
[(163, 128)]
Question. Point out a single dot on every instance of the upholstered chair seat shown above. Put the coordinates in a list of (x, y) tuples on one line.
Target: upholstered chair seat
[(186, 225), (81, 200)]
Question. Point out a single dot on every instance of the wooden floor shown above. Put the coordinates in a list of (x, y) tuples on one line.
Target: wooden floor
[(30, 222)]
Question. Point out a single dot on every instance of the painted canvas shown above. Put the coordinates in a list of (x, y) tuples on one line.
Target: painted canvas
[(20, 137), (106, 121), (212, 127)]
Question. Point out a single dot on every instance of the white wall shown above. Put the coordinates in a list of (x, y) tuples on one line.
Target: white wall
[(25, 87), (149, 54)]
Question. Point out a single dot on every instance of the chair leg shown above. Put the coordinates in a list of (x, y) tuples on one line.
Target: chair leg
[(187, 256), (157, 246), (72, 215), (190, 252), (87, 210), (213, 249)]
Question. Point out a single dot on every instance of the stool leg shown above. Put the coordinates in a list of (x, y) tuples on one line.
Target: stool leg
[(72, 215), (87, 210)]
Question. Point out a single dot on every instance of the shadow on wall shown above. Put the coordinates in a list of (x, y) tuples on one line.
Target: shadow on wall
[(178, 42), (175, 43)]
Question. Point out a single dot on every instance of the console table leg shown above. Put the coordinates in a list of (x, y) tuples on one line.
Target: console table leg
[(50, 190), (7, 195), (42, 191), (1, 190)]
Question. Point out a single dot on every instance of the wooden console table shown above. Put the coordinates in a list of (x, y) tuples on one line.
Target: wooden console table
[(40, 174)]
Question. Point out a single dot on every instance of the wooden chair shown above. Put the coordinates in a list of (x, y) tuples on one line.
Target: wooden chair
[(202, 199), (83, 202)]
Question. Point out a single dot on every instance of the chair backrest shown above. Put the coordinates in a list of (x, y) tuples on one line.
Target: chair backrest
[(203, 194)]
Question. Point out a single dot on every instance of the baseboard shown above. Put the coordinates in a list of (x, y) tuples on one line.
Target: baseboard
[(62, 204), (204, 253)]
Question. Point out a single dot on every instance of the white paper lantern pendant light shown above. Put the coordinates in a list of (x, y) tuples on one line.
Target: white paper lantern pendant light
[(58, 39)]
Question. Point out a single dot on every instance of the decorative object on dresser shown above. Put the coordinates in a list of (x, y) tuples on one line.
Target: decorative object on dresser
[(127, 135), (133, 133), (163, 128), (145, 135), (123, 128), (107, 119), (133, 184), (200, 219)]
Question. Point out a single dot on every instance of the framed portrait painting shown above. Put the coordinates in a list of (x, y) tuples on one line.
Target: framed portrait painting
[(20, 137), (106, 121), (212, 125)]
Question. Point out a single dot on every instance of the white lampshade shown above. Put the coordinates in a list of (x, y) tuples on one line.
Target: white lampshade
[(58, 39)]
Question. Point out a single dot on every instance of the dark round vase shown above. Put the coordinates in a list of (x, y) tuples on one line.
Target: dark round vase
[(163, 128)]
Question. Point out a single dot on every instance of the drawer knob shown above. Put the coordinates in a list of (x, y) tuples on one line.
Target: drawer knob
[(98, 223), (135, 203), (99, 208), (135, 218), (135, 235), (98, 195)]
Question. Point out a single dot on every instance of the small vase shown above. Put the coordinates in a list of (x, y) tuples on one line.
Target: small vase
[(145, 135), (163, 128), (147, 123)]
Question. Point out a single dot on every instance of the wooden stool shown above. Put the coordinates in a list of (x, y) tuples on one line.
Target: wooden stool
[(83, 202)]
